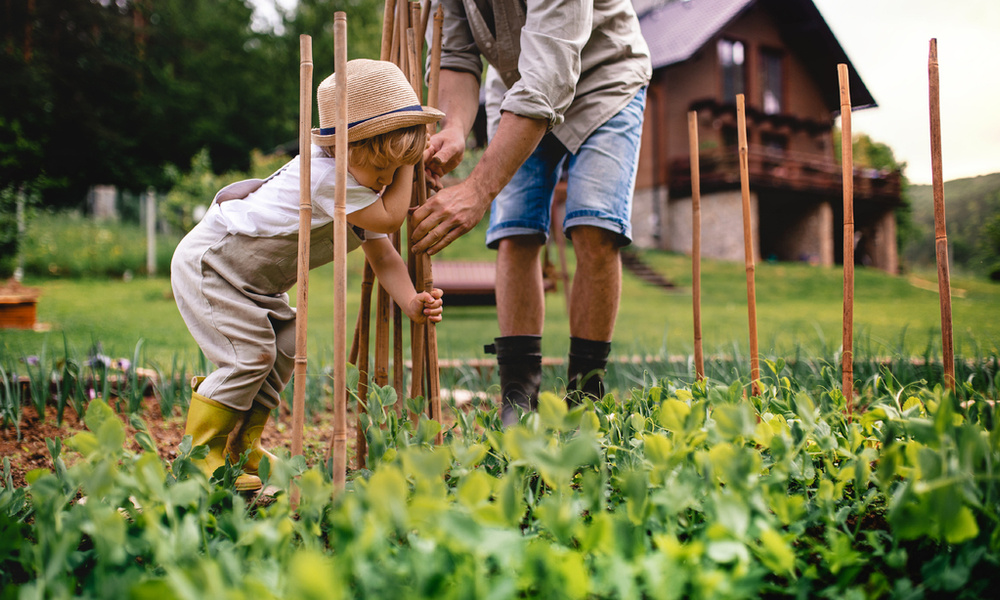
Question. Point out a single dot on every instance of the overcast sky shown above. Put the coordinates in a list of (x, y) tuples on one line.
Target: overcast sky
[(887, 41)]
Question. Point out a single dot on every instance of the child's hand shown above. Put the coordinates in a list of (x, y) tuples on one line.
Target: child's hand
[(426, 306)]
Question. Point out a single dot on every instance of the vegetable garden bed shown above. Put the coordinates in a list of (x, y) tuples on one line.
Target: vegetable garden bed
[(666, 490)]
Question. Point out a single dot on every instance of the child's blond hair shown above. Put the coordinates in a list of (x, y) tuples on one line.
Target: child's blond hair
[(402, 146)]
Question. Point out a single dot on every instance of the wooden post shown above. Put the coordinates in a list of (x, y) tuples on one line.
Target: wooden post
[(425, 280), (940, 231), (362, 333), (305, 233), (360, 346), (388, 22), (748, 244), (847, 164), (339, 442), (699, 358)]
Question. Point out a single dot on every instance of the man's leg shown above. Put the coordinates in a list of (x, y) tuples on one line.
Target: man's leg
[(593, 309), (597, 284), (519, 286), (520, 315), (599, 192)]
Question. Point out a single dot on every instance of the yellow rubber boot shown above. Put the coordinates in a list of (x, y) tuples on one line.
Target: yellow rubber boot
[(247, 436), (209, 424)]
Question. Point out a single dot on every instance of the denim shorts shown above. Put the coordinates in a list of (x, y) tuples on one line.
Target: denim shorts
[(600, 182)]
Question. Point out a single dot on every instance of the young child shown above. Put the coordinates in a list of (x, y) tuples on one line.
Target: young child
[(230, 274)]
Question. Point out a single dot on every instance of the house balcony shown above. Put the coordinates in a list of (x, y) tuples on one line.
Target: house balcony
[(771, 169)]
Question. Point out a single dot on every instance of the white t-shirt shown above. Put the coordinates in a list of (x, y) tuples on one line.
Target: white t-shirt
[(273, 208)]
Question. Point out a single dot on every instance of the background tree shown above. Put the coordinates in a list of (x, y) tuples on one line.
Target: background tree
[(869, 154)]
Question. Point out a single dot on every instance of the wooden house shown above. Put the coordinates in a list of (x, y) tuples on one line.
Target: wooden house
[(783, 57)]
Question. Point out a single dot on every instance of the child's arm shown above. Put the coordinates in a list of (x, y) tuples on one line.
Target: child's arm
[(392, 274), (386, 215)]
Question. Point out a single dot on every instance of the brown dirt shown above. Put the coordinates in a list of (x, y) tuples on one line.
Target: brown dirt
[(31, 451)]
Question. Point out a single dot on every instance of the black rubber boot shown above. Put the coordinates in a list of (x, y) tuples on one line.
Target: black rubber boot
[(519, 358), (588, 360)]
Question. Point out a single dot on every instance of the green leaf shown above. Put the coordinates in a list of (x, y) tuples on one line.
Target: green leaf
[(673, 415), (959, 525), (551, 410), (776, 553)]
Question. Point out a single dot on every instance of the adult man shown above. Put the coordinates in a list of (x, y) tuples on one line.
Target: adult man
[(575, 73)]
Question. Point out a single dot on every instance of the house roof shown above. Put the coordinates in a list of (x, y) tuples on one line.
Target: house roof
[(676, 30)]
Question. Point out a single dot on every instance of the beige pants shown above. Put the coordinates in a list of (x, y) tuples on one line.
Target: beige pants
[(231, 291)]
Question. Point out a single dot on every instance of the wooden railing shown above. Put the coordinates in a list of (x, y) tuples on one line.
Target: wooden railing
[(771, 169)]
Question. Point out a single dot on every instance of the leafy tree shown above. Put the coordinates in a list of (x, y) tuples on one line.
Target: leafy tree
[(869, 154)]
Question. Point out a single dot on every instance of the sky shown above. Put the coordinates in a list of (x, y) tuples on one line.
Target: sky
[(887, 41)]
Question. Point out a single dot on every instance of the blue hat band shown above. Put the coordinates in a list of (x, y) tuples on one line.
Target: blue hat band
[(333, 130)]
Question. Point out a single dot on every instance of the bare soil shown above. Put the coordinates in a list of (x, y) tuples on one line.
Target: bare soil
[(31, 451)]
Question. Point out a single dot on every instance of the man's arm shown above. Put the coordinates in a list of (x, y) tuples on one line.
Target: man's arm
[(454, 211), (459, 100)]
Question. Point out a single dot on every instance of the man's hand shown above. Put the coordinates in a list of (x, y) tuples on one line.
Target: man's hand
[(444, 152), (446, 216)]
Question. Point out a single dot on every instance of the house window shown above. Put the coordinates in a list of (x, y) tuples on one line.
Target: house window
[(771, 81), (732, 62)]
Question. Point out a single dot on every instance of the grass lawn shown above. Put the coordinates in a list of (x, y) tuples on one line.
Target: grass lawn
[(799, 310)]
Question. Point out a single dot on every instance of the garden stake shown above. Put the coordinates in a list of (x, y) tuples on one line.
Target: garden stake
[(362, 332), (434, 76), (847, 163), (418, 40), (360, 358), (388, 17), (748, 245), (425, 332), (940, 231), (699, 358), (305, 233), (434, 80), (425, 13), (339, 442)]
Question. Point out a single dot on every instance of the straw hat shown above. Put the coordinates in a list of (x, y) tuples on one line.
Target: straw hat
[(379, 99)]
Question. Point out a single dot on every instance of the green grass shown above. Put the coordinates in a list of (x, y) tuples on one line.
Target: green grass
[(799, 310)]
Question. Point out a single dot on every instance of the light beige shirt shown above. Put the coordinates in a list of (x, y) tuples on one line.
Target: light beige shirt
[(573, 63)]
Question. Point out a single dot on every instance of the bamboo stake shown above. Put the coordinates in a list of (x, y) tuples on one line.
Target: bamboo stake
[(361, 360), (425, 270), (418, 39), (339, 442), (748, 244), (433, 92), (940, 230), (847, 164), (434, 76), (388, 22), (305, 233), (425, 13), (418, 331), (360, 346), (699, 357)]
